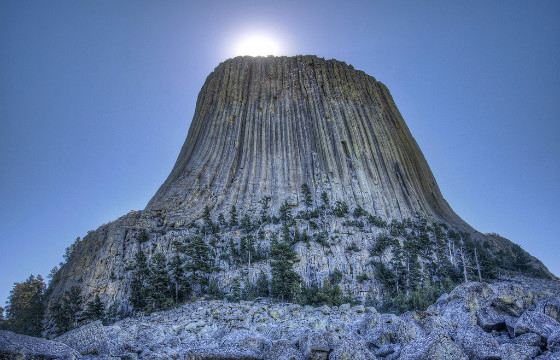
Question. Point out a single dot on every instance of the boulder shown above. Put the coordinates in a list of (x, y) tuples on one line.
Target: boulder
[(513, 297), (283, 350), (549, 356), (388, 351), (16, 346), (518, 352), (553, 343), (528, 339), (351, 349), (551, 307), (90, 339), (316, 345), (536, 322), (489, 319), (436, 346), (391, 329), (477, 344)]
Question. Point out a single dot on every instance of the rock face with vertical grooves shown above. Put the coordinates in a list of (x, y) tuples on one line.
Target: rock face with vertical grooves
[(264, 127)]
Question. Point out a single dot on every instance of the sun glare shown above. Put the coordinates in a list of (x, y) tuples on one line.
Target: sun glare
[(257, 45)]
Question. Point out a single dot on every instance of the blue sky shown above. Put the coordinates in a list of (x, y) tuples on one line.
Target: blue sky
[(96, 99)]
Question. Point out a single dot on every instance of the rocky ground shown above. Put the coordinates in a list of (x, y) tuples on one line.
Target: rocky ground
[(510, 319)]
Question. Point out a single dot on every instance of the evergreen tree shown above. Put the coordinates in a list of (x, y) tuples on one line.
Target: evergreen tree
[(307, 198), (265, 206), (359, 212), (262, 286), (179, 282), (52, 275), (70, 249), (94, 309), (222, 220), (67, 311), (286, 235), (209, 224), (214, 290), (247, 250), (235, 294), (233, 216), (328, 294), (139, 287), (25, 309), (285, 281), (340, 209), (325, 199), (285, 212), (246, 223), (143, 236), (159, 294), (198, 264)]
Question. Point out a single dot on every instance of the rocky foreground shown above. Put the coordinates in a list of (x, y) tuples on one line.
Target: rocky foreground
[(510, 319)]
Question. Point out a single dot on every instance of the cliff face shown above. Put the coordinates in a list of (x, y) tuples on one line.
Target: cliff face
[(264, 127)]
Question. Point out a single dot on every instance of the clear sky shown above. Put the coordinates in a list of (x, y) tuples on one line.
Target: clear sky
[(96, 98)]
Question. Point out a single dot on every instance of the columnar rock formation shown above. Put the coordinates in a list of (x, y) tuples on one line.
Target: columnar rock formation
[(264, 127)]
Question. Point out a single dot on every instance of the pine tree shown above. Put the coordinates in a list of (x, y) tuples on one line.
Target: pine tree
[(139, 285), (209, 224), (307, 198), (325, 199), (235, 293), (261, 286), (233, 216), (94, 309), (246, 223), (67, 311), (179, 282), (247, 249), (285, 212), (159, 294), (284, 279), (340, 209), (25, 306), (265, 206), (359, 212), (198, 264), (222, 220)]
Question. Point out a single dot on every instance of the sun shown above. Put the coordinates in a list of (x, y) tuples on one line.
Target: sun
[(257, 45)]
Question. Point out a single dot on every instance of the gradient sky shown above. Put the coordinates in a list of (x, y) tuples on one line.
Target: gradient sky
[(96, 98)]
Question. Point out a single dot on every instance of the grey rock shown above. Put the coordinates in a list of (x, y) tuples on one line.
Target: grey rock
[(16, 346), (90, 339), (551, 307), (391, 329), (436, 346), (351, 349), (477, 344), (316, 345), (536, 322), (553, 342), (549, 356), (529, 339), (489, 319), (513, 299), (283, 350), (518, 352), (388, 351)]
